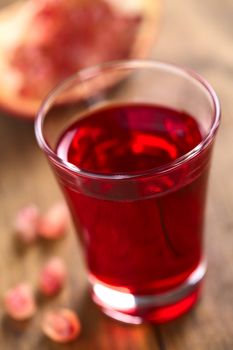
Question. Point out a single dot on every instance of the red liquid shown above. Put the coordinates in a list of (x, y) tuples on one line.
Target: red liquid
[(144, 245)]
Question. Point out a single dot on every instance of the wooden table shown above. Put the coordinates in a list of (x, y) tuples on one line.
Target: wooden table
[(197, 34)]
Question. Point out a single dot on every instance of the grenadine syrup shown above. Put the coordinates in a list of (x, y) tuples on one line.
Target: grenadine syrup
[(145, 245)]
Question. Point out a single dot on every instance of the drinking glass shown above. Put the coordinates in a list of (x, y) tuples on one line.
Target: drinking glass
[(141, 232)]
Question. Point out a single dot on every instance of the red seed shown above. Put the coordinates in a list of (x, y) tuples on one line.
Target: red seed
[(55, 222), (26, 223), (61, 325), (52, 277), (19, 302)]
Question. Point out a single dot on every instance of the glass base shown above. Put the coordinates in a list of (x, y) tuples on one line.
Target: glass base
[(157, 308)]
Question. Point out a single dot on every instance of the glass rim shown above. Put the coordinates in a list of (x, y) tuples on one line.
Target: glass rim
[(130, 64)]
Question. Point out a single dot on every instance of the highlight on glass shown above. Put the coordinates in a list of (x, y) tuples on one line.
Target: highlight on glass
[(130, 144)]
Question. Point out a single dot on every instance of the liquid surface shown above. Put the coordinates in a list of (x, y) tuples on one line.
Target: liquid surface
[(129, 139)]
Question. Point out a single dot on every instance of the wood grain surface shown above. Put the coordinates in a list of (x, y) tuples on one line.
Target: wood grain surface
[(193, 33)]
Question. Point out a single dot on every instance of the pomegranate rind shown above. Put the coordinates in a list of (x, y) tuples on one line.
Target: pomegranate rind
[(15, 18)]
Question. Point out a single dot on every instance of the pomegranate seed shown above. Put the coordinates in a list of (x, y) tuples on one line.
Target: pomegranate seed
[(26, 222), (61, 325), (55, 222), (19, 302), (52, 277)]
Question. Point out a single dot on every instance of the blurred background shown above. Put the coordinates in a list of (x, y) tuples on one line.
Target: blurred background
[(192, 33)]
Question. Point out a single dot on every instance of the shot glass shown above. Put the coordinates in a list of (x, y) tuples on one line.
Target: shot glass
[(141, 228)]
